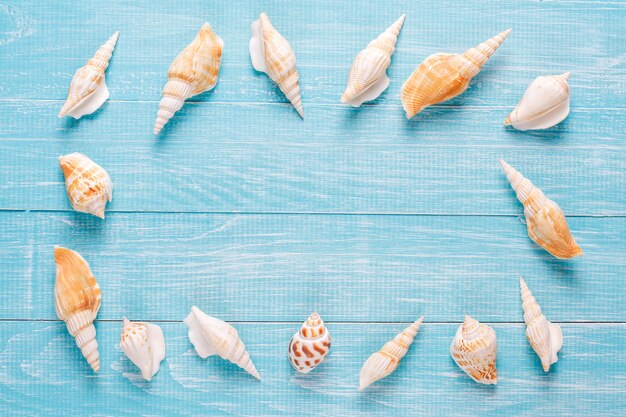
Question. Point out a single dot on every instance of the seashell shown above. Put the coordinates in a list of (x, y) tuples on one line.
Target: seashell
[(77, 301), (88, 185), (474, 348), (310, 345), (271, 53), (444, 76), (88, 89), (368, 75), (546, 338), (211, 336), (144, 345), (382, 363), (192, 72), (544, 104), (544, 218)]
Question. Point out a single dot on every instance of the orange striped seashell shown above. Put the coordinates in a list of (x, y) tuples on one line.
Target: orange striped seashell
[(475, 348), (88, 185), (310, 345)]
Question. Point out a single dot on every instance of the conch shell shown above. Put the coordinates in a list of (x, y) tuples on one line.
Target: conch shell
[(546, 338), (77, 301), (310, 345), (382, 363), (144, 345), (474, 348), (271, 53), (444, 76), (211, 336), (88, 90), (544, 218), (88, 185), (368, 75), (194, 71), (544, 104)]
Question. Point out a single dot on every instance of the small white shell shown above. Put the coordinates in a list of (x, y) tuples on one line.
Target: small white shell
[(144, 345), (475, 348), (310, 345)]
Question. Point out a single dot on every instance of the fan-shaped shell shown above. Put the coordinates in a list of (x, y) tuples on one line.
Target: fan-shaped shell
[(475, 348), (310, 345), (193, 71), (382, 363), (88, 185), (271, 53), (144, 345), (211, 336), (88, 89), (444, 76), (77, 301), (545, 220), (368, 75)]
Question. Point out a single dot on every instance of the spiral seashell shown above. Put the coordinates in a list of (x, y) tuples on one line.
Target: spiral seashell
[(444, 76), (368, 75), (211, 336), (382, 363), (545, 220), (271, 53), (544, 104), (88, 185), (545, 338), (144, 345), (475, 348), (310, 345), (192, 72), (77, 301), (88, 89)]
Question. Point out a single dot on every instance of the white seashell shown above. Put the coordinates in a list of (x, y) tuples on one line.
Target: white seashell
[(211, 336), (368, 75), (271, 53), (310, 345), (475, 348), (88, 90), (87, 184), (546, 338), (144, 345), (544, 104), (382, 363)]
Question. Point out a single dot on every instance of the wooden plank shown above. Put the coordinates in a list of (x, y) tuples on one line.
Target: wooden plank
[(279, 267)]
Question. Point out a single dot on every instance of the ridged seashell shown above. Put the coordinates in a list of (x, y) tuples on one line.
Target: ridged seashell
[(88, 185), (544, 218), (211, 336), (544, 104), (546, 338), (444, 76), (382, 363), (144, 345), (77, 301), (310, 345), (475, 348), (88, 90), (192, 72), (271, 53), (368, 75)]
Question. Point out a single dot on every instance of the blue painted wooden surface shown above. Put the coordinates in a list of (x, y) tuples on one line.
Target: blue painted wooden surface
[(259, 217)]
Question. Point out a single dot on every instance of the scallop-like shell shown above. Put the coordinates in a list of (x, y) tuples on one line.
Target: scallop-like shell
[(211, 336), (545, 220), (271, 53), (368, 75), (88, 185), (77, 301), (475, 348), (544, 104), (382, 363), (194, 71), (546, 338), (310, 345), (144, 345), (444, 76), (88, 90)]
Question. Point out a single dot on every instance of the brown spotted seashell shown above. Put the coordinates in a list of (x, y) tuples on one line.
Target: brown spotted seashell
[(309, 346)]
